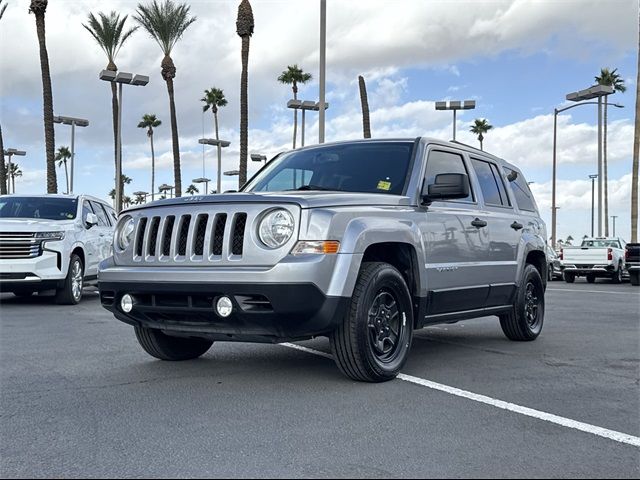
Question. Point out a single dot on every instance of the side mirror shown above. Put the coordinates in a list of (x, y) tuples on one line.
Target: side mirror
[(91, 220), (447, 186)]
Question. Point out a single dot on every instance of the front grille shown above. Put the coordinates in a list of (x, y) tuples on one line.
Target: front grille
[(201, 229), (14, 245), (238, 233), (218, 234), (183, 234), (167, 235)]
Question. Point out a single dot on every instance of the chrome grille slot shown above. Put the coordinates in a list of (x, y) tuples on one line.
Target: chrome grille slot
[(183, 234), (153, 236), (200, 232), (142, 226), (167, 234), (237, 241), (19, 245), (217, 240)]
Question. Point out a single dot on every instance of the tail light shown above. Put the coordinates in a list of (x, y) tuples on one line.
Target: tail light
[(609, 254), (626, 254), (562, 254)]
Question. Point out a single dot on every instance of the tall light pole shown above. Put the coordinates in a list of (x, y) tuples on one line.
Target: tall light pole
[(593, 200), (80, 122), (323, 68), (455, 106), (220, 144), (556, 111), (598, 92), (10, 152), (614, 224), (130, 79)]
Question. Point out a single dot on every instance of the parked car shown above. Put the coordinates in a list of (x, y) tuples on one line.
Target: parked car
[(632, 262), (53, 242), (360, 241), (554, 265), (594, 258)]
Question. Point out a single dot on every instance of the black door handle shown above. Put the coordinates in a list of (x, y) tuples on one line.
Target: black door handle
[(516, 226), (479, 223)]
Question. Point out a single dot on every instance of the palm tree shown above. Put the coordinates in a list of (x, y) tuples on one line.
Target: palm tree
[(294, 75), (2, 8), (244, 29), (568, 240), (191, 189), (62, 156), (125, 181), (480, 127), (109, 32), (13, 172), (139, 200), (364, 101), (610, 78), (214, 99), (166, 23), (38, 8), (126, 201), (149, 121)]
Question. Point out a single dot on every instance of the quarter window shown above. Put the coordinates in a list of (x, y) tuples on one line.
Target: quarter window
[(440, 162), (524, 197)]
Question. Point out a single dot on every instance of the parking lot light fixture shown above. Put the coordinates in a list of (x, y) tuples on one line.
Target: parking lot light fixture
[(10, 152), (121, 78), (74, 122), (166, 188), (203, 180), (456, 105), (305, 105), (256, 157), (219, 144)]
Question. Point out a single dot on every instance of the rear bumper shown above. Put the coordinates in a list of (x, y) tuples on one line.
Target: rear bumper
[(597, 270), (261, 313)]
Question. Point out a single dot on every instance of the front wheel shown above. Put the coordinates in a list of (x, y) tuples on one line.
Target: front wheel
[(524, 321), (165, 347), (372, 341), (569, 277), (71, 291)]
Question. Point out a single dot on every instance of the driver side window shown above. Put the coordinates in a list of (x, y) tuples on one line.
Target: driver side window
[(440, 162)]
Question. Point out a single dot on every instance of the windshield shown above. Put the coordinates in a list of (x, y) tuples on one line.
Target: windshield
[(601, 243), (372, 167), (39, 207)]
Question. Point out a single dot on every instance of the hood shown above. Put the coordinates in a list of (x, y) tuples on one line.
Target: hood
[(34, 225), (312, 199)]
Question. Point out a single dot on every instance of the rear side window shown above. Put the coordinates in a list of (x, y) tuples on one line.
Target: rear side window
[(524, 197), (440, 162), (493, 189)]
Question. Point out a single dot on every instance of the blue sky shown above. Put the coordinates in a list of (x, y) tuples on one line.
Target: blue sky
[(517, 59)]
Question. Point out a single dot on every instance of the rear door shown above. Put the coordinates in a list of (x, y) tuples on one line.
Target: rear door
[(504, 231), (456, 242)]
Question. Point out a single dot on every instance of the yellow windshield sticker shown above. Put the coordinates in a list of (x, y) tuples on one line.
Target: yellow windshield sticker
[(384, 185)]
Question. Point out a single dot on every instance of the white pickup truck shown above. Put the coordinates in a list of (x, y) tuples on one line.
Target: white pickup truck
[(596, 257), (53, 242)]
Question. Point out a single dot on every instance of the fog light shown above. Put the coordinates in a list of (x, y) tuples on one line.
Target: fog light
[(126, 303), (224, 306)]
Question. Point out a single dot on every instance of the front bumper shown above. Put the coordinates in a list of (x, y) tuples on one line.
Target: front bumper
[(42, 272), (261, 312)]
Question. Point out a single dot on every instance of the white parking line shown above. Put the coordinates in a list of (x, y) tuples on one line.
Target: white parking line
[(590, 291), (511, 407)]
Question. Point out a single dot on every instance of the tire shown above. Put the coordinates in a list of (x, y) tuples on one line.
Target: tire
[(365, 345), (617, 275), (634, 277), (524, 322), (569, 277), (71, 291), (591, 278), (165, 347), (550, 273)]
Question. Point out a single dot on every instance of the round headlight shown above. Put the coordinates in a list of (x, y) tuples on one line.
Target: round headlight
[(125, 233), (276, 228)]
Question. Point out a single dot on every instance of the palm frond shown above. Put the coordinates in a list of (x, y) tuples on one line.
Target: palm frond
[(2, 8), (109, 32), (165, 22)]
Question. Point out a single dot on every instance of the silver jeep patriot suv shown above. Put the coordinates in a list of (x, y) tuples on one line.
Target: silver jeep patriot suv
[(359, 241)]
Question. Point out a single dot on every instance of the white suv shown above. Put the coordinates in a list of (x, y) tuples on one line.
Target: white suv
[(53, 242)]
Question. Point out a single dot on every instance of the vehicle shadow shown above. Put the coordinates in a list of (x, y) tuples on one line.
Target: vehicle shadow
[(44, 298)]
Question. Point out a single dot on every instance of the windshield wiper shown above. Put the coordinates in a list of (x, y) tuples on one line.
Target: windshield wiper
[(314, 187)]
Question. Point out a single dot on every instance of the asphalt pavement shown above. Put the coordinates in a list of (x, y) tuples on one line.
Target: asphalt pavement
[(79, 397)]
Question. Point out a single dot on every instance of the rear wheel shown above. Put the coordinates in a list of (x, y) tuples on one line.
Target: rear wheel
[(617, 275), (569, 277), (591, 278), (524, 322), (165, 347), (372, 341), (71, 291)]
